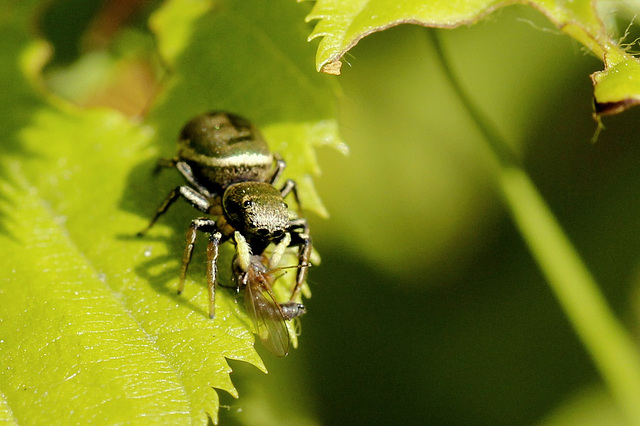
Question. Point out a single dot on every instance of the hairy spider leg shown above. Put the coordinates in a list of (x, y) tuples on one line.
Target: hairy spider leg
[(290, 187), (299, 231), (202, 224), (212, 270), (185, 170), (208, 226), (279, 168), (290, 309), (194, 198)]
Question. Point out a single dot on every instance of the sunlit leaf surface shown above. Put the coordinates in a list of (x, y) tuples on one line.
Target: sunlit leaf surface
[(91, 327)]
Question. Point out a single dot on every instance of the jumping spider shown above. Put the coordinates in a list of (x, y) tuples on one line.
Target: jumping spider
[(230, 174)]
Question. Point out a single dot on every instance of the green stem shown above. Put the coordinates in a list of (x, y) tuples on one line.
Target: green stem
[(610, 346)]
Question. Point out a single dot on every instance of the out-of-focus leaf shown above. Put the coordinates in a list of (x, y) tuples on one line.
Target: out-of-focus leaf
[(341, 25), (591, 406)]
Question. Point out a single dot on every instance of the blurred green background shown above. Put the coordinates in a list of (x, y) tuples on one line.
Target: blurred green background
[(427, 308)]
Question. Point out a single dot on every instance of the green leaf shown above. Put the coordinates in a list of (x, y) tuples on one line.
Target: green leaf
[(6, 416), (617, 88), (68, 346), (91, 325), (341, 25)]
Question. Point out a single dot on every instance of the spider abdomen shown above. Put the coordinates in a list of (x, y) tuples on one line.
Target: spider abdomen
[(223, 148)]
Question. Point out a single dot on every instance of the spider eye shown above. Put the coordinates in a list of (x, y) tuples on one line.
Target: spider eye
[(247, 204), (263, 232)]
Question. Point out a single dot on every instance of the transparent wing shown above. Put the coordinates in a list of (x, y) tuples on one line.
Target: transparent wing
[(264, 311)]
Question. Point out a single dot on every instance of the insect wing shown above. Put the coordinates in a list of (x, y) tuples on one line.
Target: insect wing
[(267, 317)]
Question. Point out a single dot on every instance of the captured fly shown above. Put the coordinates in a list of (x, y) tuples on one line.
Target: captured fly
[(253, 273)]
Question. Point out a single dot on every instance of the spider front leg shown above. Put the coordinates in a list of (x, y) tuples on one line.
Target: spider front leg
[(185, 170), (278, 169), (289, 187), (212, 270), (215, 237), (299, 230)]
